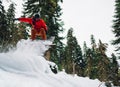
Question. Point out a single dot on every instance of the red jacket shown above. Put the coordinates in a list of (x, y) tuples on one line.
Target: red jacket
[(38, 24)]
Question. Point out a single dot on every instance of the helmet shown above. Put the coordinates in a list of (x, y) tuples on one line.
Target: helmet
[(36, 16)]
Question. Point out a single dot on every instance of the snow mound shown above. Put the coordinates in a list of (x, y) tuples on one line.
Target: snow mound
[(25, 66), (27, 58)]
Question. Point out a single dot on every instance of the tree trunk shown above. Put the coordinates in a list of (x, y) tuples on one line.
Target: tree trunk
[(74, 68)]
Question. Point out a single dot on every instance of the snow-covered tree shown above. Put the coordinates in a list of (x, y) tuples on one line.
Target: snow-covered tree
[(114, 69), (4, 32), (74, 62), (103, 62), (10, 22)]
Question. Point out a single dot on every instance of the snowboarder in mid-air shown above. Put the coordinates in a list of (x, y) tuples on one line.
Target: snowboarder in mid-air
[(39, 27)]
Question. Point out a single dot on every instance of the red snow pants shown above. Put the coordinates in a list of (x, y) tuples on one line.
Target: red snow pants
[(38, 32)]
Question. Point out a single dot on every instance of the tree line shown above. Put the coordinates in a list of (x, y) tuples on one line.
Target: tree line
[(91, 62)]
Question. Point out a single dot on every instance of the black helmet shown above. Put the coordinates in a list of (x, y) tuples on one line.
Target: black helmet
[(36, 16)]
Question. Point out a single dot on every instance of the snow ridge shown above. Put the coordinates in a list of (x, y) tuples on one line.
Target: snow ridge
[(25, 66)]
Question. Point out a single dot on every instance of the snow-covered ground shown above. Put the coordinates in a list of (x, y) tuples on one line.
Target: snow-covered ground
[(25, 66)]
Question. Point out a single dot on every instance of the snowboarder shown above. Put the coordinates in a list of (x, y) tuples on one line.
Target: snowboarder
[(39, 27)]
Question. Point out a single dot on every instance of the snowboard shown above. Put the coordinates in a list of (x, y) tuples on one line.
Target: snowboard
[(49, 42), (51, 39)]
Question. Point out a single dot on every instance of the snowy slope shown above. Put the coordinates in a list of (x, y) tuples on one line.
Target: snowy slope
[(25, 66)]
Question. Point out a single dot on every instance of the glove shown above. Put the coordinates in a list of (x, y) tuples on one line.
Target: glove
[(15, 19)]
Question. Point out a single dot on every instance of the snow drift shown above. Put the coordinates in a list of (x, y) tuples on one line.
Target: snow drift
[(25, 66)]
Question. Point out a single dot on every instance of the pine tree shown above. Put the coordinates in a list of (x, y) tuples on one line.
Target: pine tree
[(89, 59), (97, 62), (10, 22), (103, 62), (69, 52), (11, 15), (116, 26), (79, 61), (4, 31), (74, 62), (94, 56), (114, 71), (85, 48), (89, 63), (93, 43), (94, 47)]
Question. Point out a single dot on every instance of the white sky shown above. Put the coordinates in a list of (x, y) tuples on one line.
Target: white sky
[(89, 16), (86, 17)]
